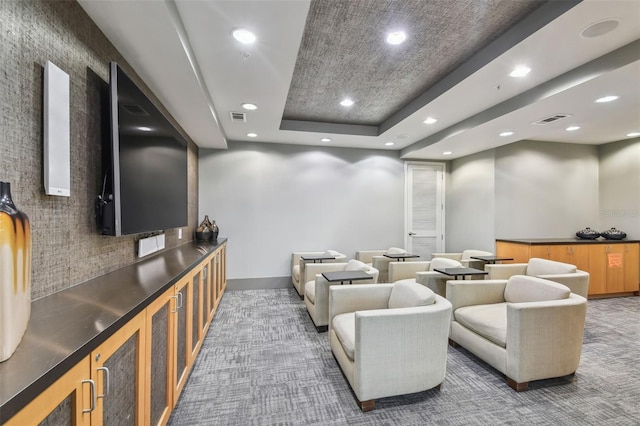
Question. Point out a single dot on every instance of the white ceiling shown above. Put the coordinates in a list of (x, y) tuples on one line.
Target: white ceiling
[(185, 53)]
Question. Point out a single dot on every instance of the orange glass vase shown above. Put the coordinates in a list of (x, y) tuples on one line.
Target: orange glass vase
[(15, 273)]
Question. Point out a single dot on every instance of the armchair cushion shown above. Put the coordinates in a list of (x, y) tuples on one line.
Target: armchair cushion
[(521, 288), (489, 321), (443, 262), (406, 294), (538, 266), (356, 265), (395, 250)]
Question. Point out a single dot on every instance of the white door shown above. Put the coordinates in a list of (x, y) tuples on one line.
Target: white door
[(424, 208)]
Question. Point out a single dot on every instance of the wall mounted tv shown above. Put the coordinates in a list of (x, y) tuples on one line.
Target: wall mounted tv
[(144, 164)]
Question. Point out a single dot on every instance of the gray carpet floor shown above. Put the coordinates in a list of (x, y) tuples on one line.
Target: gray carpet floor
[(263, 363)]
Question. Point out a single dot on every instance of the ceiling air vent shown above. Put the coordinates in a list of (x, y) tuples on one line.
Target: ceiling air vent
[(239, 117), (551, 119)]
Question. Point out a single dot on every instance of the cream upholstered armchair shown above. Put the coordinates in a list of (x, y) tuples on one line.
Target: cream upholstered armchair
[(316, 292), (381, 262), (423, 273), (527, 328), (389, 339), (298, 276), (366, 256), (465, 257), (563, 273)]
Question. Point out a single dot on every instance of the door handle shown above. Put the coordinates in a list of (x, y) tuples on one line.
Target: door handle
[(412, 233), (107, 380)]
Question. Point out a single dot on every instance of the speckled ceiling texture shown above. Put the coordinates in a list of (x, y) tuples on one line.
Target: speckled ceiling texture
[(343, 52)]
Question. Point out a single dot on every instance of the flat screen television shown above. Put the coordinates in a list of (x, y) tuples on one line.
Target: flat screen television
[(144, 163)]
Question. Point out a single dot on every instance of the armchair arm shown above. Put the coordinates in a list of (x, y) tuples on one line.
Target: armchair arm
[(578, 282), (505, 271), (454, 256), (466, 293), (435, 281), (366, 256), (402, 350), (403, 270), (352, 298), (544, 339)]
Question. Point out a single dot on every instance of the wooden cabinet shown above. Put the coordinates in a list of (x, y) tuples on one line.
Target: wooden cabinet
[(117, 368), (614, 267), (69, 401), (137, 374), (159, 357), (575, 254), (104, 388)]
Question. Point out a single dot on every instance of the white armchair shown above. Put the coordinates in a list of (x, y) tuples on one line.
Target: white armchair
[(563, 273), (423, 273), (366, 256), (316, 292), (381, 262), (465, 257), (389, 339), (298, 275), (527, 328)]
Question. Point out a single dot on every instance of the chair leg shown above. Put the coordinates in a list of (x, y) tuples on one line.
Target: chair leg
[(367, 405), (518, 387), (453, 344)]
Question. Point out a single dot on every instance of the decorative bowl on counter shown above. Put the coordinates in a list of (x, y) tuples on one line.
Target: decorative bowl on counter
[(613, 234), (587, 234)]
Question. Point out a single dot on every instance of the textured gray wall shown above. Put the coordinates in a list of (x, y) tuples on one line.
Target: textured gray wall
[(67, 248), (620, 187), (273, 199), (470, 213)]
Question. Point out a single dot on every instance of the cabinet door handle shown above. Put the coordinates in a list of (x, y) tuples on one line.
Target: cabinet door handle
[(180, 299), (176, 309), (93, 395), (107, 379)]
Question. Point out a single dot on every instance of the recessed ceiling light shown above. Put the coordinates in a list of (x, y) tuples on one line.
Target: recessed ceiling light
[(144, 129), (447, 153), (506, 133), (346, 102), (606, 99), (325, 140), (389, 144), (249, 106), (572, 128), (252, 135), (633, 134), (244, 36), (396, 37), (430, 120), (520, 71)]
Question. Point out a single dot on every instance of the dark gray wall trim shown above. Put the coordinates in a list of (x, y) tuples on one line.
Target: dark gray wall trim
[(625, 55), (258, 283), (529, 25), (322, 127)]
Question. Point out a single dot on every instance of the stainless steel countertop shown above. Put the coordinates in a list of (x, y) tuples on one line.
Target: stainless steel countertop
[(66, 326), (554, 241)]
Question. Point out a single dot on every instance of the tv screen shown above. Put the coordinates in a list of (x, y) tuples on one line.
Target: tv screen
[(145, 162)]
